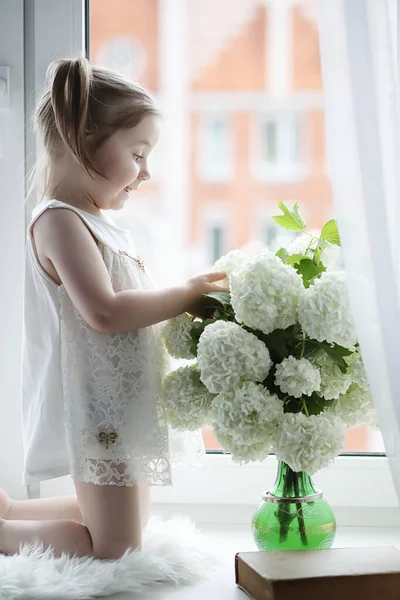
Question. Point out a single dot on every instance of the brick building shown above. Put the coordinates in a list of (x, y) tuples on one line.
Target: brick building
[(239, 84)]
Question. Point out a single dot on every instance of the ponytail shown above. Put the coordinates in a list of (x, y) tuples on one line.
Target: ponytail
[(70, 91)]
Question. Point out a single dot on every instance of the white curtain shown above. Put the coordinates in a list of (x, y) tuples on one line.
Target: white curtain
[(359, 53)]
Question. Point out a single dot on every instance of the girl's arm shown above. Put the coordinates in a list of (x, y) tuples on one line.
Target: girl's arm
[(62, 238)]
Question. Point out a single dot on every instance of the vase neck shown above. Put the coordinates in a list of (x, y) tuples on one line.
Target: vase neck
[(290, 484)]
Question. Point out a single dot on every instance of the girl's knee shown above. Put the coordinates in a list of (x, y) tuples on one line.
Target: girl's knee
[(113, 550)]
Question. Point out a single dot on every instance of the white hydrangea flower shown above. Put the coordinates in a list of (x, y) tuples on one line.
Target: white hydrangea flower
[(331, 258), (177, 337), (297, 377), (324, 311), (333, 381), (354, 408), (373, 420), (309, 443), (245, 421), (230, 262), (303, 244), (265, 292), (242, 453), (249, 414), (188, 402), (357, 370), (227, 355)]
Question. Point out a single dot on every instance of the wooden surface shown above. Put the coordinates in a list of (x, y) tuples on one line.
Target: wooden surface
[(345, 573)]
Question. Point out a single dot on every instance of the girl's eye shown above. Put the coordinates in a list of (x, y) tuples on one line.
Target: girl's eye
[(136, 157)]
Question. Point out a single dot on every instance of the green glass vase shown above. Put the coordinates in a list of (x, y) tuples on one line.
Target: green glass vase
[(293, 515)]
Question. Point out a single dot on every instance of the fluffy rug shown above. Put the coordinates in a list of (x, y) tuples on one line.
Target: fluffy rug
[(174, 553)]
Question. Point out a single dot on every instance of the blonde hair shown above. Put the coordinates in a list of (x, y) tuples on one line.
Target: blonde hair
[(83, 106)]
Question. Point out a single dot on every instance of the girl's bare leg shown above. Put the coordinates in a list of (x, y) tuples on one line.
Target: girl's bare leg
[(45, 509), (63, 536), (57, 508), (113, 525)]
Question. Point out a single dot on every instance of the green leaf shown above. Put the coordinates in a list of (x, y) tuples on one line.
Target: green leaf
[(214, 301), (316, 404), (282, 253), (291, 219), (196, 331), (337, 354), (309, 270), (330, 233), (280, 342), (223, 298), (295, 259)]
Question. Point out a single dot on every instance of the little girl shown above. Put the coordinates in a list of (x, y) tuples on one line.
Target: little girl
[(92, 360)]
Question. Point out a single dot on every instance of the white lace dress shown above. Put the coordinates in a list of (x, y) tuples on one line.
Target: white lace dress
[(114, 429)]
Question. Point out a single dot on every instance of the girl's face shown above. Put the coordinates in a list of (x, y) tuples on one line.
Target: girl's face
[(123, 161)]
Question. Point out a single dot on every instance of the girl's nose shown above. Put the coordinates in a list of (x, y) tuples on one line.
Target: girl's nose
[(144, 174)]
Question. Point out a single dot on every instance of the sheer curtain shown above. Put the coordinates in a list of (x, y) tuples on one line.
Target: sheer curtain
[(359, 53)]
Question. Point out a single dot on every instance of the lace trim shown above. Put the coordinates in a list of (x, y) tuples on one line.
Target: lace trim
[(118, 472)]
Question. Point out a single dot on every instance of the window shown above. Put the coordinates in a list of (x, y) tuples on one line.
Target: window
[(209, 99), (276, 140), (216, 242), (278, 147), (214, 235), (269, 142), (215, 152), (271, 235)]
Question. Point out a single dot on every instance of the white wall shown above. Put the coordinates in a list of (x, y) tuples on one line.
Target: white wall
[(11, 246)]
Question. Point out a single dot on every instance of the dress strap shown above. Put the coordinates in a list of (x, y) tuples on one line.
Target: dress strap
[(96, 225)]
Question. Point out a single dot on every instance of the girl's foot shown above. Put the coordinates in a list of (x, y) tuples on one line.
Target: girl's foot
[(2, 522), (5, 504)]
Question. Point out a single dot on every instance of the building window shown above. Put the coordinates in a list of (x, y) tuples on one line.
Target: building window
[(216, 237), (278, 147), (269, 233), (216, 242), (269, 142), (215, 155)]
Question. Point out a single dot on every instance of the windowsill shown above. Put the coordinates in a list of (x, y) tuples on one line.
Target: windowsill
[(227, 540), (359, 489)]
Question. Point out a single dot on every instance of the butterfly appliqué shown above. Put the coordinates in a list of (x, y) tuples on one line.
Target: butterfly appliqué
[(137, 260), (108, 438)]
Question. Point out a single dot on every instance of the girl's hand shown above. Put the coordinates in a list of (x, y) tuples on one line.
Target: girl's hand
[(200, 285)]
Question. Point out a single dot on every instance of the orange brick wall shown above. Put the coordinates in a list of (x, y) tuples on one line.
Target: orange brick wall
[(240, 67), (306, 60), (125, 18)]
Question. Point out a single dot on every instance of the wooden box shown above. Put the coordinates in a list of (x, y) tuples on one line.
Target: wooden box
[(336, 574)]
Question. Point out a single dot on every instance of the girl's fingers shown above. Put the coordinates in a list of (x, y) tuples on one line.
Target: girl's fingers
[(215, 276)]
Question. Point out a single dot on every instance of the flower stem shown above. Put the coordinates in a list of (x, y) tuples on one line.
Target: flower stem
[(303, 346), (299, 510), (313, 239), (305, 407)]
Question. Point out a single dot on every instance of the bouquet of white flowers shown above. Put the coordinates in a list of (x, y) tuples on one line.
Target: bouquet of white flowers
[(275, 364)]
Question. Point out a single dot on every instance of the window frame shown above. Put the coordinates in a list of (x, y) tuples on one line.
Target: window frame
[(355, 485), (282, 170), (208, 172), (215, 214), (262, 216)]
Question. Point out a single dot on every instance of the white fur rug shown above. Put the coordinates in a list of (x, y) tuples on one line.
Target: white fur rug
[(174, 553)]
